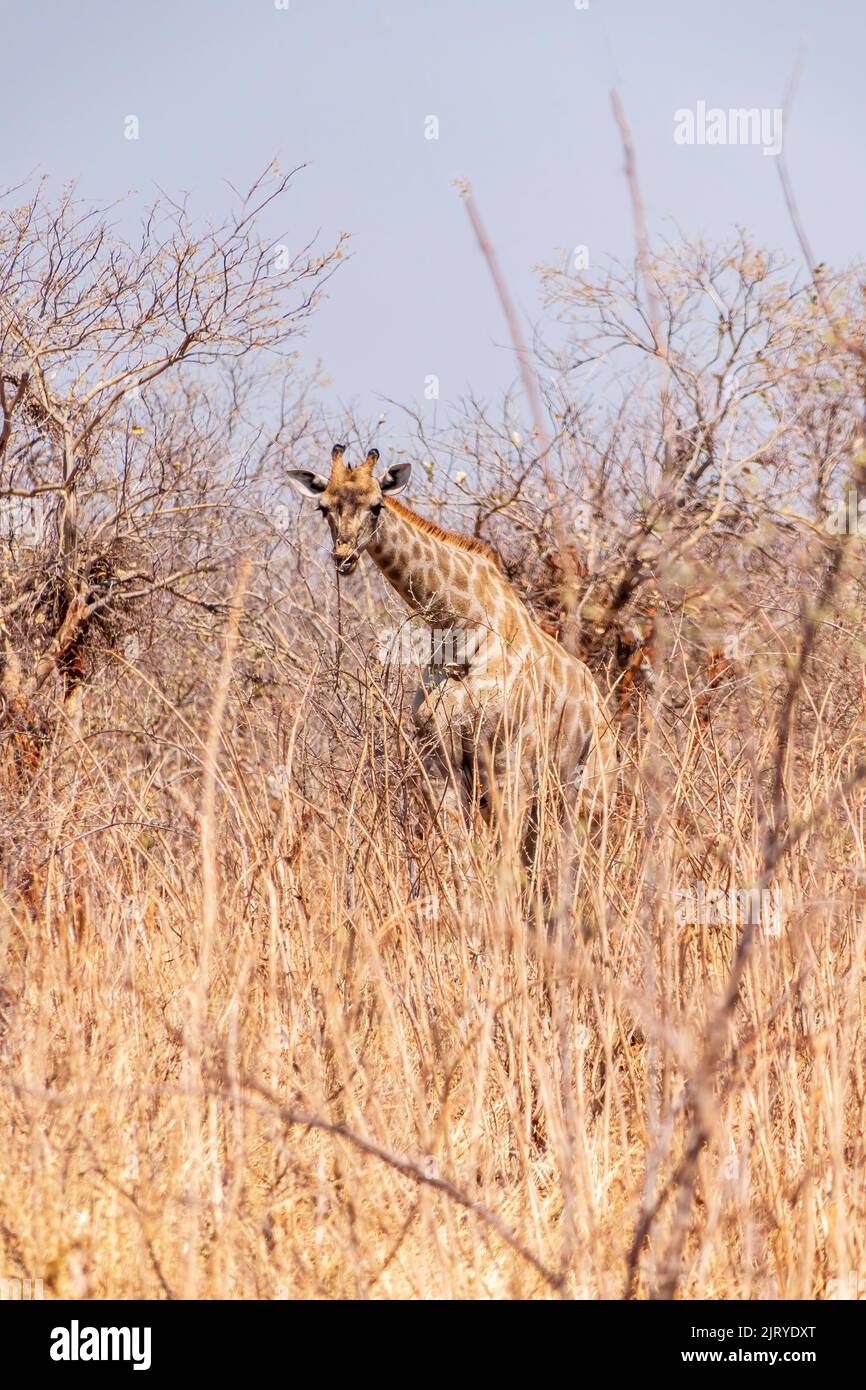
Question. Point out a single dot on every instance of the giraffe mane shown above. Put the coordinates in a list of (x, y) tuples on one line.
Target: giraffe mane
[(433, 528)]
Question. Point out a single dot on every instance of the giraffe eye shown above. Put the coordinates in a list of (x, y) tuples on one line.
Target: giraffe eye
[(376, 508), (322, 509)]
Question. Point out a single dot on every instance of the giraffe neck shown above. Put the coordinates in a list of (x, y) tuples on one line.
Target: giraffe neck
[(445, 584), (430, 575)]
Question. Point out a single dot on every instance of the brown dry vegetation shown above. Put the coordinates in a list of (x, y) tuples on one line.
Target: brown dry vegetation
[(266, 1030)]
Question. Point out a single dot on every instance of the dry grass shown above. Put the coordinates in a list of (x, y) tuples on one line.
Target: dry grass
[(269, 1038), (269, 1026)]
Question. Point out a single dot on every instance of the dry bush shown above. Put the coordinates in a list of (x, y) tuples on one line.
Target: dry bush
[(268, 1029)]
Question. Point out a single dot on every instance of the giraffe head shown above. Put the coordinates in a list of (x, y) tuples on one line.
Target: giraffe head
[(351, 500)]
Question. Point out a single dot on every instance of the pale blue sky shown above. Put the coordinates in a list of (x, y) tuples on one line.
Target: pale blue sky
[(521, 92)]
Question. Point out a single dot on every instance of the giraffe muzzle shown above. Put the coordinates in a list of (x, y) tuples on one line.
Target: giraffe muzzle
[(345, 563)]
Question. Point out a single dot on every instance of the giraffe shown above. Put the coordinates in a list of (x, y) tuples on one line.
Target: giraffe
[(513, 705)]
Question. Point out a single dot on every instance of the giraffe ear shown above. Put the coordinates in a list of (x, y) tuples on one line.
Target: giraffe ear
[(306, 483), (396, 479)]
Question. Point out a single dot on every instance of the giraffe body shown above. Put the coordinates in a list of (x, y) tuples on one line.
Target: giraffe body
[(513, 707)]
